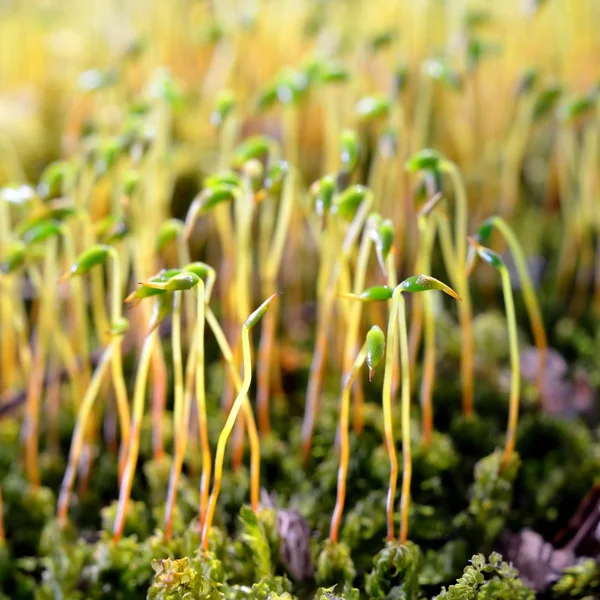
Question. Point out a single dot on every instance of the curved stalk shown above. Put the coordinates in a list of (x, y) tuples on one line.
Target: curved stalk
[(529, 297), (36, 382), (494, 259), (79, 433), (201, 404), (81, 322), (386, 401), (248, 415), (269, 325), (243, 208), (355, 312), (406, 446), (136, 424), (513, 414), (429, 354), (344, 443), (239, 402), (180, 440), (177, 364), (159, 400), (318, 362), (118, 379), (464, 309)]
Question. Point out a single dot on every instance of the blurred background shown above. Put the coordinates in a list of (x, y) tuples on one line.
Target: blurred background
[(47, 49)]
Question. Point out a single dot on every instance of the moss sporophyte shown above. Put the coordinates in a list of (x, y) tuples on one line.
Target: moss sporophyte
[(209, 362)]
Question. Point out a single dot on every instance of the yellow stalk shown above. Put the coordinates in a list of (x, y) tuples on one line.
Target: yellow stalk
[(344, 444), (136, 424), (529, 297), (225, 433), (513, 339), (386, 400), (79, 433), (323, 320), (406, 447), (254, 440)]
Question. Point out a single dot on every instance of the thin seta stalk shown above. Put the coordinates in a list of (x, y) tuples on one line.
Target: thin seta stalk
[(496, 261), (371, 351), (231, 418), (353, 204), (432, 161), (529, 296), (378, 233), (397, 326), (427, 229), (179, 282), (194, 372), (111, 356), (157, 285), (273, 259)]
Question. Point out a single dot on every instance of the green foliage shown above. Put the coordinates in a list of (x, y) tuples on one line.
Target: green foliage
[(27, 511), (491, 497), (582, 580), (347, 593), (395, 572), (491, 580), (334, 564), (443, 564), (62, 572), (275, 588), (124, 568), (560, 465), (254, 537), (178, 579), (136, 519)]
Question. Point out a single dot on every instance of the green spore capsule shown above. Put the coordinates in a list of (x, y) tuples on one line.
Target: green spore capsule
[(256, 316), (275, 176), (119, 327), (376, 293), (53, 179), (372, 107), (425, 283), (349, 200), (181, 282), (575, 108), (349, 149), (199, 269), (224, 106), (546, 101), (88, 259), (424, 160), (14, 258), (39, 232), (254, 147), (375, 349), (168, 232), (323, 191)]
